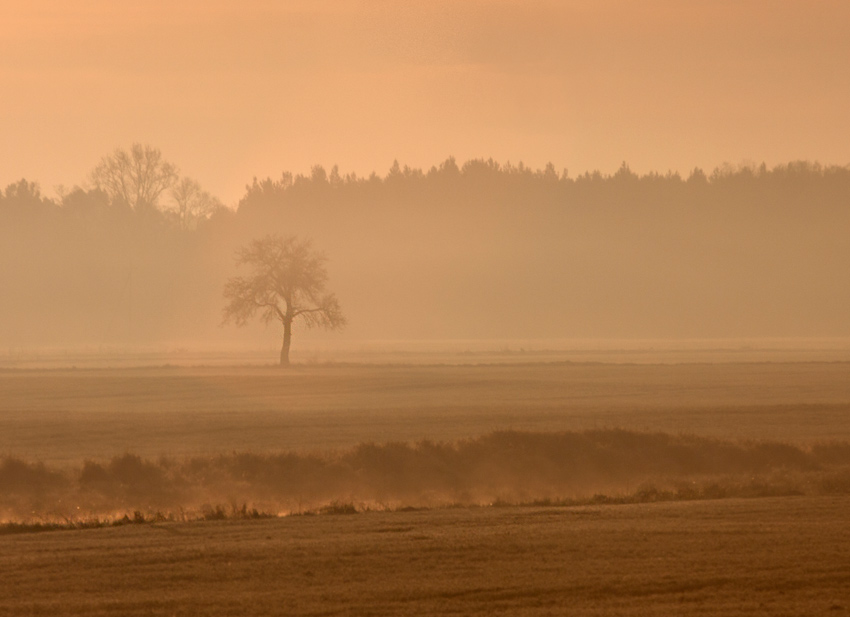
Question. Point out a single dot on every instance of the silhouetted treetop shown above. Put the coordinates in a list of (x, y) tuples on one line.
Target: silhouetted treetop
[(137, 176), (486, 183), (23, 200)]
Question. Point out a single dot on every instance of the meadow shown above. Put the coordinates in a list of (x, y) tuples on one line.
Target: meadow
[(480, 488)]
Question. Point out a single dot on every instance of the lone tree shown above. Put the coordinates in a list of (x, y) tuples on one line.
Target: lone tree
[(287, 281)]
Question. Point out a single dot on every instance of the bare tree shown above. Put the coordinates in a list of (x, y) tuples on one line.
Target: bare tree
[(137, 177), (192, 203), (287, 281)]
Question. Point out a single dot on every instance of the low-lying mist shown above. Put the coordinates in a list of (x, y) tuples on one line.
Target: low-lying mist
[(477, 250), (502, 467)]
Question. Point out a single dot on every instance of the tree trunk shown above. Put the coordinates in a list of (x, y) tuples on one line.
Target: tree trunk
[(287, 341)]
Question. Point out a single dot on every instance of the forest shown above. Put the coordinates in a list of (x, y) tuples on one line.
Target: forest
[(476, 250)]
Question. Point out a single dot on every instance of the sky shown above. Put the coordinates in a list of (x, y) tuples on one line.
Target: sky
[(233, 90)]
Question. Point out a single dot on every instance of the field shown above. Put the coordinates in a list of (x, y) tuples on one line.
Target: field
[(682, 551), (64, 416), (788, 556)]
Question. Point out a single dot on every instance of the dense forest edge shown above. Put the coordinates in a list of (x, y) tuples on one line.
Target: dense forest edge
[(473, 250)]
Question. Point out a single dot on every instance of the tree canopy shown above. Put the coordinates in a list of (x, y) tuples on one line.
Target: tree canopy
[(287, 281), (137, 176)]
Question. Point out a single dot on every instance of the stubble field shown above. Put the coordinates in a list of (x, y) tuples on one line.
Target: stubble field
[(788, 556), (772, 555)]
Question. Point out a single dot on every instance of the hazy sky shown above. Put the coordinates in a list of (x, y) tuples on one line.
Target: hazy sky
[(230, 90)]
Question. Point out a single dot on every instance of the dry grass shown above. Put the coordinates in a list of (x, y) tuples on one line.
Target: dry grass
[(676, 436), (776, 556), (65, 417)]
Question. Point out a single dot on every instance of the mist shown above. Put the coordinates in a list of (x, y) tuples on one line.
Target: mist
[(597, 466), (231, 91), (474, 250), (507, 280)]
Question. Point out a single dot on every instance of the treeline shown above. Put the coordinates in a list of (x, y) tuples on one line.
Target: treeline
[(481, 249), (476, 183)]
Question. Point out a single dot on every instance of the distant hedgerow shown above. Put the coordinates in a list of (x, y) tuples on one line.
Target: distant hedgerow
[(501, 467)]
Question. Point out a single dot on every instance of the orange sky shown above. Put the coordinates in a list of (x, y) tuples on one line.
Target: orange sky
[(230, 90)]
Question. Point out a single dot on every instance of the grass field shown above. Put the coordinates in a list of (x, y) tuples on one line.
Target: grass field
[(702, 555), (65, 416), (787, 556)]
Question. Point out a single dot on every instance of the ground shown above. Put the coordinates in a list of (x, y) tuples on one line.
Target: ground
[(776, 556), (786, 556)]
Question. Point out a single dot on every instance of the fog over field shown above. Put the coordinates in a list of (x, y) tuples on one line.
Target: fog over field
[(466, 250), (172, 441), (495, 277), (471, 170)]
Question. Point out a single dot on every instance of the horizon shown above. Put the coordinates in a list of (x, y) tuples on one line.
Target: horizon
[(57, 193), (353, 352), (231, 93)]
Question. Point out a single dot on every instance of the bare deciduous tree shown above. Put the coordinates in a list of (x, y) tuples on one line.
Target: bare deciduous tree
[(192, 203), (137, 177), (287, 281)]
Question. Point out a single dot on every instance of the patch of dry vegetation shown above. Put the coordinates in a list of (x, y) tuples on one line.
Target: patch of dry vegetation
[(504, 467), (774, 556)]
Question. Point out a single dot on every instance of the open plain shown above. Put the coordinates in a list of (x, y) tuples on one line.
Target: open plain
[(784, 555), (788, 556), (65, 415)]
